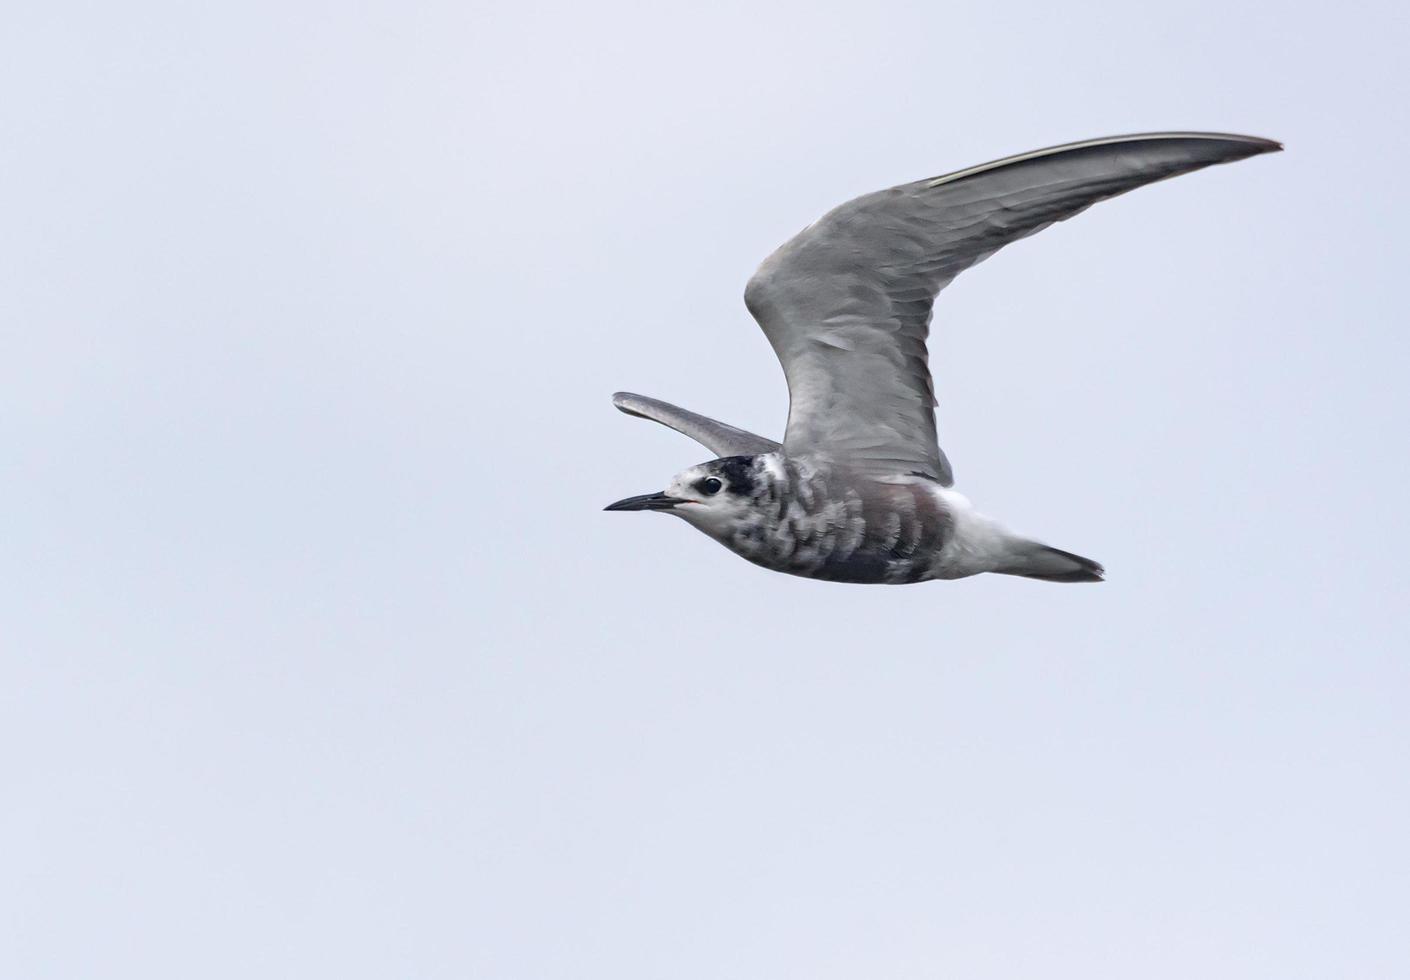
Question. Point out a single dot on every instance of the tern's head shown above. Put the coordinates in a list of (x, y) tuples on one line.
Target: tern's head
[(713, 496)]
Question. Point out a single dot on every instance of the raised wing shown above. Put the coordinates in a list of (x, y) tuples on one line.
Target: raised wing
[(846, 303), (720, 439)]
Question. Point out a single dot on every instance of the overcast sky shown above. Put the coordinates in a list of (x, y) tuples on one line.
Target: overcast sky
[(320, 659)]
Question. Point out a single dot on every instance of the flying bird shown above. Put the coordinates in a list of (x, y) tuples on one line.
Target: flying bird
[(859, 490)]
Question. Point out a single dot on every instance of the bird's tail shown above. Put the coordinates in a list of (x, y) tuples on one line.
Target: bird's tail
[(1033, 560)]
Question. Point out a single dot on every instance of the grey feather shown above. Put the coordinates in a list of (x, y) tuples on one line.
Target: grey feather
[(719, 438), (847, 302)]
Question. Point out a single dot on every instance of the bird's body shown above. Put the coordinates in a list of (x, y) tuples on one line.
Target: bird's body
[(859, 490), (815, 520), (805, 517)]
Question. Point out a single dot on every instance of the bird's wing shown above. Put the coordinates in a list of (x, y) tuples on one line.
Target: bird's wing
[(720, 439), (846, 303)]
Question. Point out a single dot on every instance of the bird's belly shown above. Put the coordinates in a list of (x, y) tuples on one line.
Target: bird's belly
[(870, 567), (869, 543)]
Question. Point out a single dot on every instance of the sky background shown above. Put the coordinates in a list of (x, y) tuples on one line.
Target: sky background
[(318, 657)]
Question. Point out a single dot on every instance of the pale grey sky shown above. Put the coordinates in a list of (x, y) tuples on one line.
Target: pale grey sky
[(320, 658)]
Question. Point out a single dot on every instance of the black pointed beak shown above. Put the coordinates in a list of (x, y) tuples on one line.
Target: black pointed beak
[(647, 501)]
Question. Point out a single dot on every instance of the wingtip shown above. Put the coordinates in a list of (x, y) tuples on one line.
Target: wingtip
[(1230, 147), (1256, 144), (1235, 146), (1261, 141), (623, 402), (1265, 145)]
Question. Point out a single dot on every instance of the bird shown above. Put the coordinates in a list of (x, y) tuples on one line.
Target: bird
[(859, 490)]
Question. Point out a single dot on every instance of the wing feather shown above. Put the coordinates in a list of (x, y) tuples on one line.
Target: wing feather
[(847, 302), (719, 438)]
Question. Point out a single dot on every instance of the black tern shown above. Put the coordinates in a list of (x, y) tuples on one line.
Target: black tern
[(859, 490)]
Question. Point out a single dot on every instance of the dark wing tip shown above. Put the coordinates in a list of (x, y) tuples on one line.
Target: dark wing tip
[(1254, 144), (1220, 148), (1258, 144), (1235, 146)]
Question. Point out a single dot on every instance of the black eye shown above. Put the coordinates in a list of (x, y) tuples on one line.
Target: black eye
[(709, 486)]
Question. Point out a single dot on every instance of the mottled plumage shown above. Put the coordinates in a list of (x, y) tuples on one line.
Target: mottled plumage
[(859, 489)]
